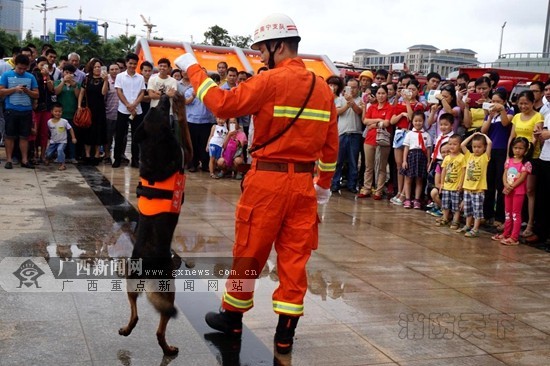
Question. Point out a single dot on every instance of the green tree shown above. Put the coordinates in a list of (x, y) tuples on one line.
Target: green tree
[(8, 41), (217, 36), (125, 43), (241, 41)]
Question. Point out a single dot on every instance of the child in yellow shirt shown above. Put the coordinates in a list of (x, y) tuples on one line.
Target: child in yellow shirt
[(475, 181), (453, 166)]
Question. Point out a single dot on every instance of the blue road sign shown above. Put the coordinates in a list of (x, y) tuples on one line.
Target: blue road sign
[(62, 25)]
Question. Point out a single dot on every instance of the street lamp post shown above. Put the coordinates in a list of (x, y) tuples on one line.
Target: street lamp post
[(44, 9), (501, 36)]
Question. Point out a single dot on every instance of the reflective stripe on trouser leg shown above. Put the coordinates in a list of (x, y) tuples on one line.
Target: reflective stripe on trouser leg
[(287, 308), (237, 304)]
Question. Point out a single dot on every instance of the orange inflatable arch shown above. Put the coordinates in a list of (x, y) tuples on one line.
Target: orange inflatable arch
[(209, 56)]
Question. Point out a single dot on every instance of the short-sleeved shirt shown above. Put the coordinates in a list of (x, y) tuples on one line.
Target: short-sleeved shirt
[(411, 140), (476, 172), (478, 116), (545, 150), (498, 133), (58, 130), (402, 107), (514, 170), (67, 99), (131, 87), (374, 112), (349, 121), (527, 128), (18, 101), (160, 85), (454, 171)]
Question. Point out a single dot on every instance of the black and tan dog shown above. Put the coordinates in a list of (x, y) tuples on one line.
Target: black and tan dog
[(160, 195)]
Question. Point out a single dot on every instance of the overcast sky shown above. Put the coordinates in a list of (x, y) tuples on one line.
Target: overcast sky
[(333, 28)]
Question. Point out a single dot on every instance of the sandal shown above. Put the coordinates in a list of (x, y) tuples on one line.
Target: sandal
[(454, 225), (62, 167), (498, 237), (214, 176), (509, 242), (464, 229), (472, 234), (527, 232), (442, 222)]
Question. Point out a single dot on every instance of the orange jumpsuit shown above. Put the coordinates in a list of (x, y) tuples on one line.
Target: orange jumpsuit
[(277, 206)]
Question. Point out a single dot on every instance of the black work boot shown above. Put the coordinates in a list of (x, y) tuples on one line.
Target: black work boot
[(284, 336), (228, 322)]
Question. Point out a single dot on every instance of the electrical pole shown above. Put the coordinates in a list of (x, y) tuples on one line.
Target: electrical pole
[(546, 45), (44, 9), (501, 36)]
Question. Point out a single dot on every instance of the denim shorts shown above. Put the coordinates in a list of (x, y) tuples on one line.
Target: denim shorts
[(215, 151)]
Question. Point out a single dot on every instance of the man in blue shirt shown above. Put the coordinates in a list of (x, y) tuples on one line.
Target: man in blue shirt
[(18, 87), (200, 121)]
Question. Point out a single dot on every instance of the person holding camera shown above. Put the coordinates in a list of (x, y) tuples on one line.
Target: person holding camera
[(498, 126), (476, 104), (349, 109), (42, 112), (401, 119)]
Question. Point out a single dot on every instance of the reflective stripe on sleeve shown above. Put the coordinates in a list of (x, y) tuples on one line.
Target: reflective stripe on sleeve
[(204, 87), (326, 167), (308, 113)]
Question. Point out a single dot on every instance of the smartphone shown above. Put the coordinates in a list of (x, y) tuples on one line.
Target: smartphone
[(347, 90), (232, 127), (432, 96), (487, 106), (474, 97), (398, 66), (103, 68), (462, 86)]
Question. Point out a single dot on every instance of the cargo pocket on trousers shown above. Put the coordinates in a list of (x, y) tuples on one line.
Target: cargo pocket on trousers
[(242, 227), (315, 234)]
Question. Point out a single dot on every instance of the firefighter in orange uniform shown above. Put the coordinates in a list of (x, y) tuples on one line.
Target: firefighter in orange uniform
[(279, 200)]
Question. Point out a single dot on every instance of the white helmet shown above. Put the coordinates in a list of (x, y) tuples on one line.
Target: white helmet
[(274, 26)]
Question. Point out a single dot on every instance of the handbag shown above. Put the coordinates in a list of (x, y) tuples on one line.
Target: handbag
[(382, 137), (399, 138), (83, 117)]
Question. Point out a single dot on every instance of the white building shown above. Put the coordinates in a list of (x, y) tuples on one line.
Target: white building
[(420, 58)]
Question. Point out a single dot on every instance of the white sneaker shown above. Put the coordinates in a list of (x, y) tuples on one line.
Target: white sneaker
[(396, 201)]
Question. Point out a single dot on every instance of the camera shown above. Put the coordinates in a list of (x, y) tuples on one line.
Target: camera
[(487, 106)]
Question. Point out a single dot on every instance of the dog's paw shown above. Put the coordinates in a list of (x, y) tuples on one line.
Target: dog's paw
[(124, 331), (170, 350)]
